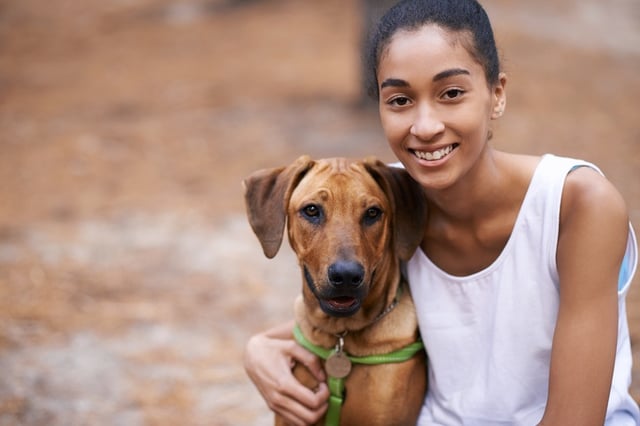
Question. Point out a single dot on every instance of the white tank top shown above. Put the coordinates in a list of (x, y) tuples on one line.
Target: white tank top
[(488, 335)]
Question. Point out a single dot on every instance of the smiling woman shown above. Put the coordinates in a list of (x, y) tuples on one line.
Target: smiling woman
[(516, 280)]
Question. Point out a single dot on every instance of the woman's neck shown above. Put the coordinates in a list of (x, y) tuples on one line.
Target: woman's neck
[(469, 224), (483, 189)]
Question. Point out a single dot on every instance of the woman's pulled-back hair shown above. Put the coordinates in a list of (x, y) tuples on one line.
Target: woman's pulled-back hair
[(455, 15)]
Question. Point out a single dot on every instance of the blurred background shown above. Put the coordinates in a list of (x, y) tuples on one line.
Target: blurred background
[(130, 280)]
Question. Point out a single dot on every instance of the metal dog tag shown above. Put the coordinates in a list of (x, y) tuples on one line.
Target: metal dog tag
[(338, 365)]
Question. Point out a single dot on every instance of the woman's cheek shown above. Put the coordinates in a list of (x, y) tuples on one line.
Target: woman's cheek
[(393, 128)]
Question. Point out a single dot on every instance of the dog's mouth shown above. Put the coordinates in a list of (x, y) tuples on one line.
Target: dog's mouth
[(341, 306), (337, 305)]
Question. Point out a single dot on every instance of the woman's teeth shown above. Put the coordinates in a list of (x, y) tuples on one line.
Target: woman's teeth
[(434, 155)]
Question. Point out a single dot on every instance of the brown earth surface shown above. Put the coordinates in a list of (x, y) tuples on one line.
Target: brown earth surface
[(129, 278)]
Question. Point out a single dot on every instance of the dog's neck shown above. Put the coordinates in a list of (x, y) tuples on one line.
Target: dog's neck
[(323, 330), (391, 305)]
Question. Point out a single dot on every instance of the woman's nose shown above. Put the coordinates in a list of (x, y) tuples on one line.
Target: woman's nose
[(426, 123)]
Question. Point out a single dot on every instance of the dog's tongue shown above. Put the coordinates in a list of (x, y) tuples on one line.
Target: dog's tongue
[(342, 302)]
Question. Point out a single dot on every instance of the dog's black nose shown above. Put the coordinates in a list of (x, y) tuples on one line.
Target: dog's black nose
[(346, 273)]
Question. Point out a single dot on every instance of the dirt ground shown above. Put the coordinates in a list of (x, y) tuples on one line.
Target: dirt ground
[(129, 278)]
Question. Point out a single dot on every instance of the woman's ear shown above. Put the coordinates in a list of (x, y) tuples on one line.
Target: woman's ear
[(499, 96)]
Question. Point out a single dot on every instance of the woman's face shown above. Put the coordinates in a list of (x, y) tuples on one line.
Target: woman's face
[(435, 104)]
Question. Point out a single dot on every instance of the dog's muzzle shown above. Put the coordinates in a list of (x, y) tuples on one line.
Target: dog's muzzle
[(343, 295)]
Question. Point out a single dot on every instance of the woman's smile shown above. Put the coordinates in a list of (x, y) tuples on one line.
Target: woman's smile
[(434, 155)]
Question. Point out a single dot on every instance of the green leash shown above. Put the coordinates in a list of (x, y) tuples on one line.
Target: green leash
[(336, 385)]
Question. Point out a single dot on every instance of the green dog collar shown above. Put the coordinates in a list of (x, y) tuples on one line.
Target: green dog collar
[(336, 385)]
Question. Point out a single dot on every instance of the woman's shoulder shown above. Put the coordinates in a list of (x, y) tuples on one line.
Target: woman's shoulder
[(587, 190), (519, 163), (593, 218), (518, 170)]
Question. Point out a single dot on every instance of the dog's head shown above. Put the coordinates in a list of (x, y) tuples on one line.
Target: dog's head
[(348, 223)]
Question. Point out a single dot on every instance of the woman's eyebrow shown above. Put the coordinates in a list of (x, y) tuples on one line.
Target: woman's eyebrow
[(397, 82), (450, 73), (394, 82)]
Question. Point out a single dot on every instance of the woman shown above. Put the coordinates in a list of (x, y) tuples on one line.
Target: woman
[(520, 279)]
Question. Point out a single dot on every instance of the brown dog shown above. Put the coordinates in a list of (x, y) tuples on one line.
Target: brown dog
[(350, 224)]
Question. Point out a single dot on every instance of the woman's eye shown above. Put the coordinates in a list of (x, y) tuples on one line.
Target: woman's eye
[(453, 94), (399, 101)]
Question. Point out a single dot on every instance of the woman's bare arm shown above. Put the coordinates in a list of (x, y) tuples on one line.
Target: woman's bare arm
[(593, 235)]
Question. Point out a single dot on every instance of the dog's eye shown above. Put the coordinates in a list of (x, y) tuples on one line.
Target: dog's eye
[(371, 215), (312, 212)]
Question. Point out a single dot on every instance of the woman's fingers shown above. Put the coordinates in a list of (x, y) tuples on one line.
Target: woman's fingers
[(268, 362), (304, 408), (302, 356)]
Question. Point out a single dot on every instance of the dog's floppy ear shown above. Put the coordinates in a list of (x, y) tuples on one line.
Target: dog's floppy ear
[(409, 205), (266, 196)]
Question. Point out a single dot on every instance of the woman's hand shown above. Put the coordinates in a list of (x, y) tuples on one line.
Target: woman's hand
[(268, 360)]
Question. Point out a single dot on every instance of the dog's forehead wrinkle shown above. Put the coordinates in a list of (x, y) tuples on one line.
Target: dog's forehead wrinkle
[(340, 166), (337, 164), (324, 194), (342, 183)]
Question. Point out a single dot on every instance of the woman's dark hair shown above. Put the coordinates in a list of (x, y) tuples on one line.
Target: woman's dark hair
[(456, 15)]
